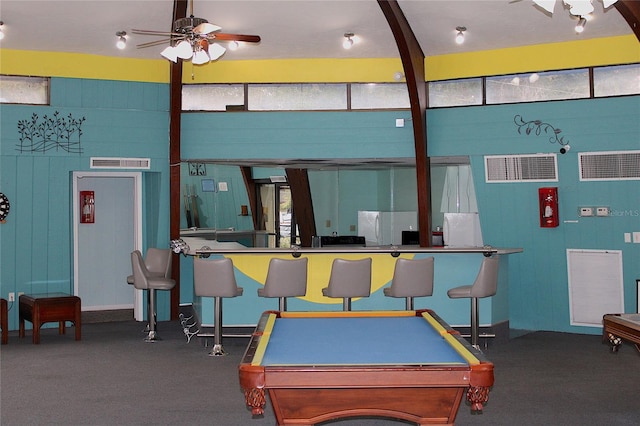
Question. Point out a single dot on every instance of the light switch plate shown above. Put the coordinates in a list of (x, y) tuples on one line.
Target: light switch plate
[(627, 237), (586, 211), (636, 237), (602, 211)]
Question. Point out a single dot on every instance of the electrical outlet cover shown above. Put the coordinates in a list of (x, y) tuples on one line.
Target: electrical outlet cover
[(586, 211)]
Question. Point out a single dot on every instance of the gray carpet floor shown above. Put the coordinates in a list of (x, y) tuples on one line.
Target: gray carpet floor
[(112, 377)]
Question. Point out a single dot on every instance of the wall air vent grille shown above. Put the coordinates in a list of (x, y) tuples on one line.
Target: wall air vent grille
[(521, 168), (609, 165), (120, 163)]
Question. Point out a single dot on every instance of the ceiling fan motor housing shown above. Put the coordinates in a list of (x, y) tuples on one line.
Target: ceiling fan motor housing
[(186, 25)]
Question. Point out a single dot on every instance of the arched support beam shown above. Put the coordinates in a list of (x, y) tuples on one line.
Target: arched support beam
[(413, 63), (175, 113), (302, 204), (630, 11)]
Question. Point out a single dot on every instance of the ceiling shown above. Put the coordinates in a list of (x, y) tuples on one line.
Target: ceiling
[(297, 28)]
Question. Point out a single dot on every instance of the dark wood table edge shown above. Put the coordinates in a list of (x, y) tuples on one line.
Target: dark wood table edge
[(4, 321)]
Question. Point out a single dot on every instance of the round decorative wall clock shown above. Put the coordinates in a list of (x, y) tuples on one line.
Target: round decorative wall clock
[(4, 207)]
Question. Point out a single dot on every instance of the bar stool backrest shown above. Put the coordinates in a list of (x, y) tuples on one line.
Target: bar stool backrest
[(486, 283), (214, 278)]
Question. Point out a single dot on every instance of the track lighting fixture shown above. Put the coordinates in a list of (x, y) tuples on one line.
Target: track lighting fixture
[(1, 31), (122, 41), (460, 34), (348, 40)]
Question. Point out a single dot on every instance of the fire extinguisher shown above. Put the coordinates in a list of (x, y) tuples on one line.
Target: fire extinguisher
[(548, 199), (87, 207)]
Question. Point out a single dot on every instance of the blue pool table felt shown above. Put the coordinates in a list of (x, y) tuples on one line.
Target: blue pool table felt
[(357, 341)]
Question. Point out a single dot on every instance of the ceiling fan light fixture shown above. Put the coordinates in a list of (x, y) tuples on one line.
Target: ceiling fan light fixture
[(122, 41), (579, 7), (580, 25), (184, 50), (200, 57), (170, 53), (460, 34), (215, 51), (1, 30)]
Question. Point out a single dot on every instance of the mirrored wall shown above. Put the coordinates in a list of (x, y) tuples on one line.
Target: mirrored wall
[(215, 198)]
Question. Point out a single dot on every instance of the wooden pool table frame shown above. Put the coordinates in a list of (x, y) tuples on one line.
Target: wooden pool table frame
[(424, 394)]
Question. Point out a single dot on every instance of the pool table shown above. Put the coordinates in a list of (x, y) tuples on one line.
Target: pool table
[(319, 366), (616, 327)]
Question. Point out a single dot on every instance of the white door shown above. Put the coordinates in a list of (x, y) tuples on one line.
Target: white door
[(102, 249)]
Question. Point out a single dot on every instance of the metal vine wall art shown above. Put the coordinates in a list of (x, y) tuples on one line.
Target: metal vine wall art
[(538, 127), (56, 132)]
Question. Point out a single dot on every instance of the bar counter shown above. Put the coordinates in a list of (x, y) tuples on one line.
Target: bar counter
[(454, 266)]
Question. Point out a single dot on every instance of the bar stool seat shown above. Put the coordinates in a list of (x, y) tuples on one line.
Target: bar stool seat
[(485, 285), (411, 278), (144, 280), (285, 278), (215, 278), (348, 279)]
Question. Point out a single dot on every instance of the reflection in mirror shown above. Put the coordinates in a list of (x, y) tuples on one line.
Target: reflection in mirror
[(217, 196)]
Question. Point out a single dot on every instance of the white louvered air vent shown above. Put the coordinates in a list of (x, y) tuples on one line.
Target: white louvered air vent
[(120, 163), (609, 165), (521, 168)]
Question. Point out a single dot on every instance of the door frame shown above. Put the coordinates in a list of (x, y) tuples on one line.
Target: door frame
[(138, 309)]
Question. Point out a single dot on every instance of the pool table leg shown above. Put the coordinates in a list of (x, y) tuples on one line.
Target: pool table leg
[(255, 398), (614, 342), (477, 396)]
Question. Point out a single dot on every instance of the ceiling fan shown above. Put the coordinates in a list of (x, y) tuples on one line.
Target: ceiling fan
[(193, 38)]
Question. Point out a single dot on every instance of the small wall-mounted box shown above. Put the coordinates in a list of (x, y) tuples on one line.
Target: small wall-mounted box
[(586, 211), (602, 211)]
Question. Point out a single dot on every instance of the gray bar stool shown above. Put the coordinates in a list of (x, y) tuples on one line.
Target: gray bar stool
[(215, 278), (485, 285), (285, 278), (349, 278), (158, 263), (411, 278), (143, 279)]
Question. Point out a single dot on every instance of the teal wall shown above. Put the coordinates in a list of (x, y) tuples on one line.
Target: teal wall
[(130, 120), (538, 297), (538, 284), (123, 119)]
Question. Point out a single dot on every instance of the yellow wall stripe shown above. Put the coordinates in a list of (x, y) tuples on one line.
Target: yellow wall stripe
[(542, 57), (75, 65)]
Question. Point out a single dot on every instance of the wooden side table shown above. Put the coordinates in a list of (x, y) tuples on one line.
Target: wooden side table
[(4, 321), (50, 307)]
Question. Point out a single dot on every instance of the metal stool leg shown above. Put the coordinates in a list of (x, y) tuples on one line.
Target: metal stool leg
[(282, 304), (409, 303), (151, 315), (475, 323), (217, 330), (346, 304)]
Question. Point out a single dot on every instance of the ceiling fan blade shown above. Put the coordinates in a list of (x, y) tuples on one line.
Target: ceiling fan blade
[(158, 33), (154, 43), (206, 28), (235, 37)]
